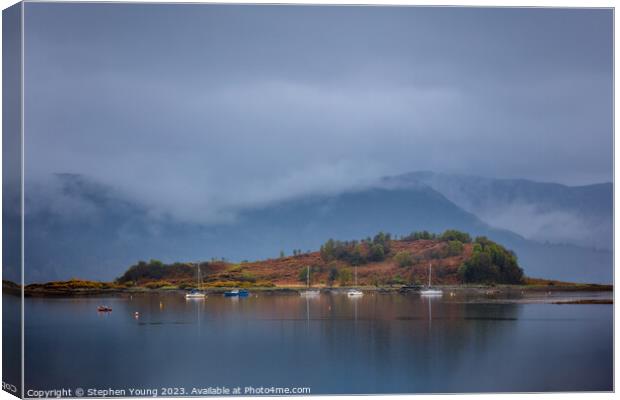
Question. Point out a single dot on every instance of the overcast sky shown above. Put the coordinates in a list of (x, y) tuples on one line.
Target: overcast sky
[(195, 111)]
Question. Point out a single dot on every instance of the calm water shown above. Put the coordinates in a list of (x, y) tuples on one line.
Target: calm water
[(333, 344)]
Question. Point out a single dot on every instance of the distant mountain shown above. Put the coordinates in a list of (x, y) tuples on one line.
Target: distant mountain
[(546, 212), (97, 236)]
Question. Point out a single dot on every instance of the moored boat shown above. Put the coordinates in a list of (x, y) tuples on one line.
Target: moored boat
[(309, 292), (196, 293), (104, 309), (429, 291), (237, 293), (355, 292)]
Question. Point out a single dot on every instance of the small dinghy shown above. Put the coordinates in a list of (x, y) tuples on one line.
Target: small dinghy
[(104, 309), (237, 293)]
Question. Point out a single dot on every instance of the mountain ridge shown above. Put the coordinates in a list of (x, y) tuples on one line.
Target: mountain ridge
[(115, 233), (545, 212)]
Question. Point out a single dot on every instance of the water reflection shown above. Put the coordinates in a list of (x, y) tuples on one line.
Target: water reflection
[(378, 343)]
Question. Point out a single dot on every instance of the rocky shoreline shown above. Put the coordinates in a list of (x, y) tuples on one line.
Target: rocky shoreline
[(54, 289)]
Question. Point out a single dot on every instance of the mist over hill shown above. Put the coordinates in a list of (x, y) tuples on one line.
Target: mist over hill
[(85, 231), (545, 212)]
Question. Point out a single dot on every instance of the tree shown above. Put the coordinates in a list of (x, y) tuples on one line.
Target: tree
[(345, 276), (384, 240), (332, 275), (423, 235), (403, 259), (327, 250), (357, 256), (453, 234), (357, 253), (454, 248), (303, 274), (376, 252)]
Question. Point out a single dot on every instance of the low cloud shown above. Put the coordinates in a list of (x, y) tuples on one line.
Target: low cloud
[(550, 226), (198, 122)]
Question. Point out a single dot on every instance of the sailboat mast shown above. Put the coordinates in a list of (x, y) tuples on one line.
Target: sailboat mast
[(356, 275), (429, 274), (308, 277)]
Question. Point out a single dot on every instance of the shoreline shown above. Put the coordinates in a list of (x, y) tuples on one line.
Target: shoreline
[(48, 290)]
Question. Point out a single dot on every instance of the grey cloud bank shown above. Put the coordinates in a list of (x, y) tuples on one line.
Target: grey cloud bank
[(197, 111)]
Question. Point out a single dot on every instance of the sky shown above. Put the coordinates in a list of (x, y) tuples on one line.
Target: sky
[(198, 111)]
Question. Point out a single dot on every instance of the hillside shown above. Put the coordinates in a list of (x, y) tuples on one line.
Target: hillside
[(380, 261), (101, 243), (546, 212)]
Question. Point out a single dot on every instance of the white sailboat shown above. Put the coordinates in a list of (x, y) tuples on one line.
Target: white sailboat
[(355, 292), (196, 293), (429, 291), (309, 292)]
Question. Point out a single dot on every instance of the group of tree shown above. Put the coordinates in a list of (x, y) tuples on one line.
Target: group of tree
[(448, 235), (452, 235), (422, 235), (335, 273), (312, 270), (157, 270), (357, 252), (491, 263)]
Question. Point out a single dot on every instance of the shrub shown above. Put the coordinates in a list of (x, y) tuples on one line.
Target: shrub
[(403, 259), (332, 275), (423, 235), (453, 234), (157, 284), (247, 277), (396, 280), (376, 252), (454, 248), (303, 274), (345, 276)]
